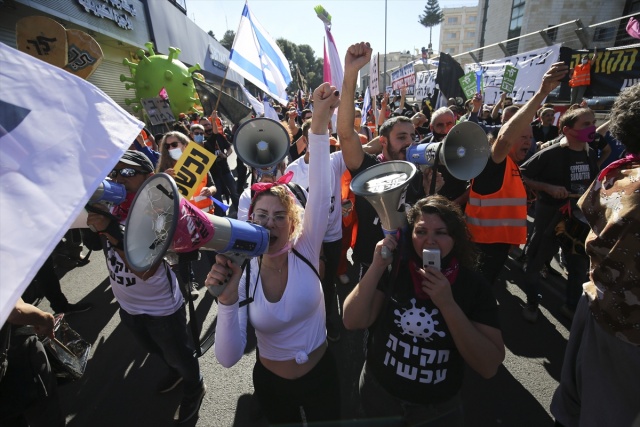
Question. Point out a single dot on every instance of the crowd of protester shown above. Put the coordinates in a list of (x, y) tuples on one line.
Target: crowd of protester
[(577, 180)]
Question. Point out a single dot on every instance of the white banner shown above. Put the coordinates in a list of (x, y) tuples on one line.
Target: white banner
[(531, 67), (60, 136), (425, 84), (374, 76)]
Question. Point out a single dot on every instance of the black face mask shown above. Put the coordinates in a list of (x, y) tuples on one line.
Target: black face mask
[(437, 137)]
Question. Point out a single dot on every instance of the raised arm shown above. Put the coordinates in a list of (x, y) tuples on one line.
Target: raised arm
[(518, 125), (358, 55)]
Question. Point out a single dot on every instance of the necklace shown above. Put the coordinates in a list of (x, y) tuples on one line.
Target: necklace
[(278, 269)]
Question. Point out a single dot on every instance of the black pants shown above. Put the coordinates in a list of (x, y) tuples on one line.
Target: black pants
[(493, 257), (29, 391), (332, 252), (313, 397)]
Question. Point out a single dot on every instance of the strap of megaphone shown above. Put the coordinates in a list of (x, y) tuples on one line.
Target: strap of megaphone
[(434, 170)]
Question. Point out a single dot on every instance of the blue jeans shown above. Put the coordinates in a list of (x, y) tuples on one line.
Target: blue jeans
[(168, 337)]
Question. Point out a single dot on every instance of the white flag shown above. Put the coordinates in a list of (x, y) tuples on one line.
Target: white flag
[(255, 103), (256, 57), (59, 138)]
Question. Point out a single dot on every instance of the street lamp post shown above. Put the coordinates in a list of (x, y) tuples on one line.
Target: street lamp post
[(384, 81)]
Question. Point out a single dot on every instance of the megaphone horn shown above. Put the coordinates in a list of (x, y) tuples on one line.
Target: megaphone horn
[(384, 186), (261, 142), (161, 219), (464, 151), (108, 191)]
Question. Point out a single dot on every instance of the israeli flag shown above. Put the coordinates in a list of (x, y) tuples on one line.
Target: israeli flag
[(255, 103), (257, 58), (366, 105), (269, 111)]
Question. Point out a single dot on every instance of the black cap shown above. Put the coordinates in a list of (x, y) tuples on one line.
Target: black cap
[(136, 158)]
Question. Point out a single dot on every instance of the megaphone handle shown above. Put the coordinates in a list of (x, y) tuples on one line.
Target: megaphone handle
[(238, 260), (386, 253), (434, 170)]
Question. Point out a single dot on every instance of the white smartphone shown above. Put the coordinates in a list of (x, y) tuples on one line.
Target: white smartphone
[(431, 258)]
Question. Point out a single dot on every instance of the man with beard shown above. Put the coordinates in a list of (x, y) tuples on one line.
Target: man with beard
[(497, 208), (396, 135)]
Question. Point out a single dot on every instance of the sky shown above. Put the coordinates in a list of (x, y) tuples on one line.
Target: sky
[(352, 21)]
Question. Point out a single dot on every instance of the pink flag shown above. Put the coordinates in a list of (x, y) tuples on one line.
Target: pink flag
[(326, 66), (335, 65)]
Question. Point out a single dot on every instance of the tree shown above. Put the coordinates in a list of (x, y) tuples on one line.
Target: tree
[(212, 35), (431, 17), (302, 56), (227, 39)]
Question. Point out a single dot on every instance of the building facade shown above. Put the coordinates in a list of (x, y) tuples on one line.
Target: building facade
[(501, 21), (459, 30)]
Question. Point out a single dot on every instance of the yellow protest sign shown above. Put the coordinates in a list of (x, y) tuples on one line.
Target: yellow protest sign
[(192, 167)]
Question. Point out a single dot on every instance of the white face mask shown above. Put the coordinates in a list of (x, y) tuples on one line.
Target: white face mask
[(584, 60), (175, 153)]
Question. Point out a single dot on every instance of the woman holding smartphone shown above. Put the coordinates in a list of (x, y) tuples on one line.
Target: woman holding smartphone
[(424, 323)]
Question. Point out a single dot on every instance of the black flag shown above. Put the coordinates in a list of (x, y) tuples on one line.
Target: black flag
[(228, 106), (449, 71)]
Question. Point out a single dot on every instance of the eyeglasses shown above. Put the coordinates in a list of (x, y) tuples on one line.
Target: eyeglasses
[(173, 144), (358, 116), (125, 172), (198, 133), (279, 220)]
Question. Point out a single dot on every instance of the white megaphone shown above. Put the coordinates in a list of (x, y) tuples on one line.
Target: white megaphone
[(384, 186), (107, 192), (261, 143), (464, 151), (161, 219)]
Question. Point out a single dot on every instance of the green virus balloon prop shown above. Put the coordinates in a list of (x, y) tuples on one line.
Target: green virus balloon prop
[(155, 72)]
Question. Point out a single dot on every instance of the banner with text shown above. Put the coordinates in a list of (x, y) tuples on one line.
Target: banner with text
[(374, 76), (191, 169), (531, 67), (425, 84), (403, 77)]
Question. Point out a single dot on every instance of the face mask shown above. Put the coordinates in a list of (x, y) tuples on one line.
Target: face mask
[(587, 134), (584, 60), (198, 138), (175, 153)]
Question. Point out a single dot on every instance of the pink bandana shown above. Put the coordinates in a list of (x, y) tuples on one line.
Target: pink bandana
[(618, 163), (451, 273)]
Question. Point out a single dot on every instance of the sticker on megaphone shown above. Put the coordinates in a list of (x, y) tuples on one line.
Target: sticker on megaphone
[(160, 219)]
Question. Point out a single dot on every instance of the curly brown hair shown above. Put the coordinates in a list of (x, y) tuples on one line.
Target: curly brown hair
[(463, 248), (288, 200), (625, 118)]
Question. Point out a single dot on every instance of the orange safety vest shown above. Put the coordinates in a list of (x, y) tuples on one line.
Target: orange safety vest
[(203, 203), (500, 217), (372, 128), (219, 126), (146, 139), (350, 220), (581, 75)]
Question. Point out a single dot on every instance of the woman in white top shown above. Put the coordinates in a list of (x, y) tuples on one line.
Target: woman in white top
[(295, 378)]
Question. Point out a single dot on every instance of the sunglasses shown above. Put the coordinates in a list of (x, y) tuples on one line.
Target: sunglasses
[(174, 144), (279, 220), (198, 133), (125, 172)]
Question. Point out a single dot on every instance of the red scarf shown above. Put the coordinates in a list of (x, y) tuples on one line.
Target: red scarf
[(451, 273)]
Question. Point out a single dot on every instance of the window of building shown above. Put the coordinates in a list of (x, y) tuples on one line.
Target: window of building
[(471, 19), (517, 14), (552, 33), (471, 34), (180, 4), (451, 50), (603, 34), (452, 36), (452, 20)]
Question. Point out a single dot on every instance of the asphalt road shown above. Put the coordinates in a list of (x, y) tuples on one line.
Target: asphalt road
[(118, 387)]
